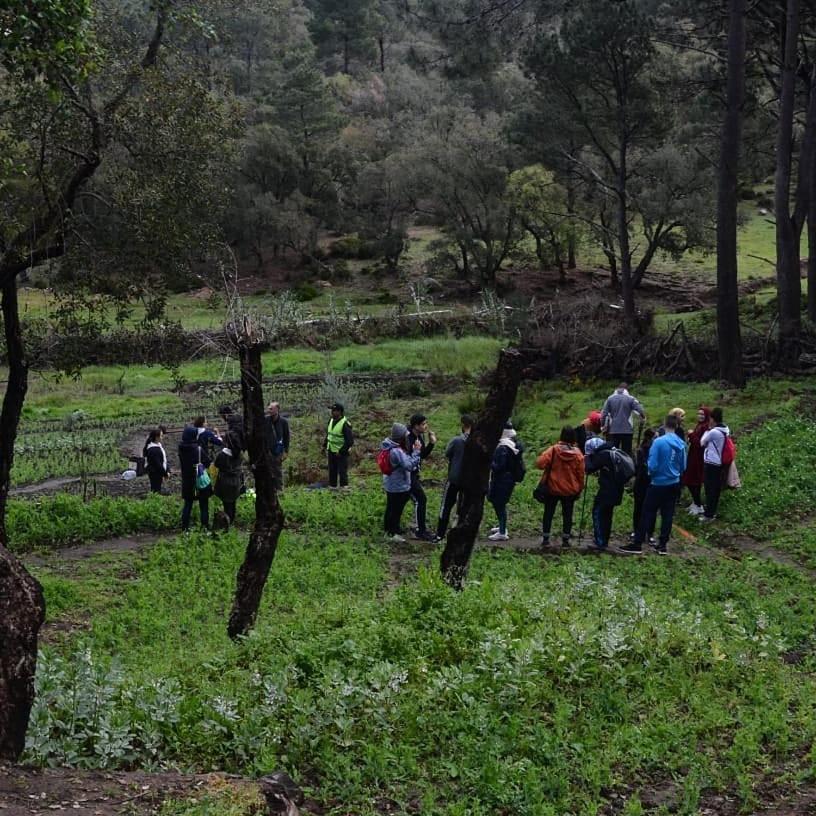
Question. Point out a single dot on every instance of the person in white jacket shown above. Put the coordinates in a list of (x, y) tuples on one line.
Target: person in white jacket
[(713, 443)]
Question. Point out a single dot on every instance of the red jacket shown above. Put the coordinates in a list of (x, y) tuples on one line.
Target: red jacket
[(694, 467)]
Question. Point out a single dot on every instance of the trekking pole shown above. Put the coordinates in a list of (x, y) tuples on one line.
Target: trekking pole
[(583, 510), (640, 431)]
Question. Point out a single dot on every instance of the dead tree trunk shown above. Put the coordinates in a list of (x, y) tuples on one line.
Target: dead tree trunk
[(269, 519), (22, 606), (476, 467)]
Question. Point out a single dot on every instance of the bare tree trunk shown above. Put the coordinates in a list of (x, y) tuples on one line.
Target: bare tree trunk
[(571, 262), (381, 46), (476, 467), (729, 336), (627, 288), (811, 233), (269, 519), (22, 606), (788, 283)]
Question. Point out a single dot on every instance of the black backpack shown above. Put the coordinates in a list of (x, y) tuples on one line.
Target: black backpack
[(517, 469)]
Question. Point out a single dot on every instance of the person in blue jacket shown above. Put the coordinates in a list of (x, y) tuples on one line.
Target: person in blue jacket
[(667, 462), (397, 484)]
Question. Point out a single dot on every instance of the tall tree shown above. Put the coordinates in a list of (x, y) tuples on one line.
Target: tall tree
[(346, 28), (788, 223), (729, 336)]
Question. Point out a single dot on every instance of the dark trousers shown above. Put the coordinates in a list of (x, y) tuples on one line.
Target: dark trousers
[(156, 480), (696, 493), (338, 467), (602, 515), (639, 496), (659, 499), (229, 510), (449, 498), (713, 488), (203, 508), (394, 505), (622, 442), (500, 506), (420, 501), (567, 505)]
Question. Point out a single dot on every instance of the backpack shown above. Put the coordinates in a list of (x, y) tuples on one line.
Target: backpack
[(729, 451), (623, 465), (384, 462), (517, 468)]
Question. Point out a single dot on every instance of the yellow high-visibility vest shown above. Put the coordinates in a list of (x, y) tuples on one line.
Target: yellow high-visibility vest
[(335, 435)]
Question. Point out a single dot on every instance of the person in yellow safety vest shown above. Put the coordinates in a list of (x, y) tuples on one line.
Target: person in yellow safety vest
[(339, 439)]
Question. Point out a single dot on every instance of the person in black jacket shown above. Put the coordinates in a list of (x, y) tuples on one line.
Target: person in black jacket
[(156, 460), (230, 478), (417, 428), (599, 460), (191, 455), (235, 426), (276, 432), (642, 481), (454, 453)]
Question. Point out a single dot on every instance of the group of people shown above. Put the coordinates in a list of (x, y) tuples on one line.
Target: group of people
[(661, 463), (210, 463)]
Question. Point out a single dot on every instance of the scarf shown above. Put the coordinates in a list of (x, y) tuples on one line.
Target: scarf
[(508, 440)]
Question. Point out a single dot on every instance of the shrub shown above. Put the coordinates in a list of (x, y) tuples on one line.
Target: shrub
[(306, 292)]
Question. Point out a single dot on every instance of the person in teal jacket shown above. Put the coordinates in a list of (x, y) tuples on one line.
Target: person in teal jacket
[(667, 462)]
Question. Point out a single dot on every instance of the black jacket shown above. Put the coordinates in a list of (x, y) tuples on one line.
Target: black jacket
[(642, 479), (189, 453), (277, 431), (154, 461), (230, 478), (610, 490), (424, 451)]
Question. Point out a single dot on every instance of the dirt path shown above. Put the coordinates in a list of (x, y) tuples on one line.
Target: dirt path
[(35, 792), (82, 551)]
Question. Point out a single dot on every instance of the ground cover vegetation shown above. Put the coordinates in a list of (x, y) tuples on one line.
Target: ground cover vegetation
[(336, 178)]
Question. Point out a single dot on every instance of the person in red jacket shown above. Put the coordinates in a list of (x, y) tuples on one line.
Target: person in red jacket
[(562, 481), (693, 477)]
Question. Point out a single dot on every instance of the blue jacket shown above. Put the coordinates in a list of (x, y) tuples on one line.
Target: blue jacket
[(667, 460), (404, 464)]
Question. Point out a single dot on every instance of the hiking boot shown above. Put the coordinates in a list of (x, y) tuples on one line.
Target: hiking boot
[(565, 541), (660, 549), (704, 518), (631, 549), (498, 537), (425, 535), (545, 541), (494, 529)]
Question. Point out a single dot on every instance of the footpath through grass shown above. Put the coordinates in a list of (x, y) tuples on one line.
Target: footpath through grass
[(541, 689)]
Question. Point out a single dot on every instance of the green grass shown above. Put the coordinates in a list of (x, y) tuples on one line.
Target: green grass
[(543, 687)]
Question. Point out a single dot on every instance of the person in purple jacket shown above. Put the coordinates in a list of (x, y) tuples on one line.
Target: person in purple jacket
[(397, 484)]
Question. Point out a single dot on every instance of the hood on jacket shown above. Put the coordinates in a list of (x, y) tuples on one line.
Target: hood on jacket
[(595, 443), (390, 444), (566, 454), (189, 434)]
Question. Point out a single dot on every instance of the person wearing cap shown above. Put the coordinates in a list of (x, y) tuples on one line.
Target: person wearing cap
[(417, 428), (616, 417), (404, 461), (590, 427), (598, 459), (276, 434), (339, 438)]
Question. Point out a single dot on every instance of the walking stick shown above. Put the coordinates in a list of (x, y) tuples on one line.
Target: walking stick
[(640, 431), (583, 510)]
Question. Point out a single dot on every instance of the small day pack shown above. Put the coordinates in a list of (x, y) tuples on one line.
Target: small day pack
[(624, 466), (384, 462), (729, 451)]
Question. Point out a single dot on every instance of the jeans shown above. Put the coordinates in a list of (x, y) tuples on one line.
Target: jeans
[(500, 506), (449, 499), (338, 467), (420, 501), (713, 488), (394, 505), (662, 499), (622, 442), (203, 508), (602, 515), (550, 505)]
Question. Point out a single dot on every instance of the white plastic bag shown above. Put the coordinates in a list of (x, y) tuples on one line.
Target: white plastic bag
[(128, 475), (732, 477)]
